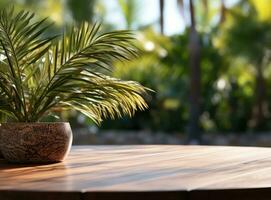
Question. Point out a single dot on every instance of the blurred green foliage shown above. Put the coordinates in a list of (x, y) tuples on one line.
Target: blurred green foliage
[(163, 66), (230, 55), (234, 56)]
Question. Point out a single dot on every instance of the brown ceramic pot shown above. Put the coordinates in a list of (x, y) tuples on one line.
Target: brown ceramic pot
[(35, 142)]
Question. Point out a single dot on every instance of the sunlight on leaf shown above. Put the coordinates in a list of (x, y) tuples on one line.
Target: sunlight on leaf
[(68, 72)]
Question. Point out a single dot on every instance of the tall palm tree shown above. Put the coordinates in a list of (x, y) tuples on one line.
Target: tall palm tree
[(194, 49), (194, 57), (194, 52)]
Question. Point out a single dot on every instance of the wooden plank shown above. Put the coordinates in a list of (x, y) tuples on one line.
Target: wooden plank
[(155, 171), (202, 171)]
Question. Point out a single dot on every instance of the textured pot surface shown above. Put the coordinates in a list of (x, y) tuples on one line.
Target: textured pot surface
[(35, 142)]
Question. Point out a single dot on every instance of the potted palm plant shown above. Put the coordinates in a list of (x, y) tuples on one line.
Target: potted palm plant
[(40, 74)]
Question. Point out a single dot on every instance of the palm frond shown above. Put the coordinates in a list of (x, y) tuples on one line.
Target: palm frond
[(19, 42), (38, 74)]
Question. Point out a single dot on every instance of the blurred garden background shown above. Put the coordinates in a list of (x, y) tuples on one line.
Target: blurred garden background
[(208, 61)]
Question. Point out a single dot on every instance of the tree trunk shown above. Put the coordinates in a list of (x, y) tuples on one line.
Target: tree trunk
[(259, 111), (222, 12), (161, 19), (194, 56)]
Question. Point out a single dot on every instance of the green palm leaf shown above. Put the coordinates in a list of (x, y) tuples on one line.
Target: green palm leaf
[(39, 74)]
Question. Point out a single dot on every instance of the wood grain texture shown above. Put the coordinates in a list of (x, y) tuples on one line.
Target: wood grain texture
[(146, 172)]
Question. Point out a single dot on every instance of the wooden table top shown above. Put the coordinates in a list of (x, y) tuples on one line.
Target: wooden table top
[(144, 172)]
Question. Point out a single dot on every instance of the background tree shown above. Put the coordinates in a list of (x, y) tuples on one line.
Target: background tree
[(82, 10), (161, 15), (233, 38), (245, 28), (194, 57)]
